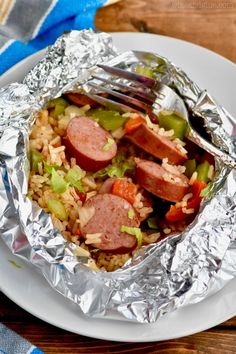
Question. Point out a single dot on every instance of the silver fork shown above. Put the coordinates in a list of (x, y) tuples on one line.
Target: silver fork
[(148, 96)]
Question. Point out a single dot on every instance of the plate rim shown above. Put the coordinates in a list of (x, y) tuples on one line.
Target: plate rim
[(186, 333)]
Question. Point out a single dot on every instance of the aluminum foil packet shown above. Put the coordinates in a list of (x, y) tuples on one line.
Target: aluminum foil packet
[(179, 270)]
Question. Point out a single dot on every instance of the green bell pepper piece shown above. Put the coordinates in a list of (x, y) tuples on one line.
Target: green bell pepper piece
[(57, 106), (191, 167), (175, 122), (109, 120), (202, 171)]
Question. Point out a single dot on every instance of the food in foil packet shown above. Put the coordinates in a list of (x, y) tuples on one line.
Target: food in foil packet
[(119, 211), (115, 182)]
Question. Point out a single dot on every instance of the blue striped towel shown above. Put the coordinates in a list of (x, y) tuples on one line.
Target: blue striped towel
[(11, 343), (27, 26)]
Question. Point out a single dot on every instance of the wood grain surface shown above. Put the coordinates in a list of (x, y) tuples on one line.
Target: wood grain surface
[(219, 340), (211, 24)]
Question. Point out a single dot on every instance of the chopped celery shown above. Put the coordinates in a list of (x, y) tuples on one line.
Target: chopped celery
[(57, 106), (175, 122), (58, 209), (73, 111), (202, 171), (120, 157), (152, 223), (143, 70), (78, 186), (59, 185), (35, 158), (74, 176), (109, 120), (190, 167), (115, 171), (48, 168), (101, 173), (207, 191), (133, 231), (118, 168), (108, 144), (204, 192)]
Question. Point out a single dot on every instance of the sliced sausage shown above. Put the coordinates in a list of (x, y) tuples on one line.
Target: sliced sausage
[(79, 99), (160, 182), (146, 197), (156, 145), (110, 213), (85, 140)]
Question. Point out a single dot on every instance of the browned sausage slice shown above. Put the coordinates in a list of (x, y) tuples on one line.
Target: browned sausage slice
[(156, 145), (86, 141), (160, 182), (110, 213), (146, 198), (79, 99)]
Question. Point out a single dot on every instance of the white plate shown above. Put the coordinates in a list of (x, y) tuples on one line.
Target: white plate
[(110, 2), (29, 290)]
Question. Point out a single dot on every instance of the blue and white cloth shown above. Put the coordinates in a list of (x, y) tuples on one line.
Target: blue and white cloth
[(11, 343), (27, 26)]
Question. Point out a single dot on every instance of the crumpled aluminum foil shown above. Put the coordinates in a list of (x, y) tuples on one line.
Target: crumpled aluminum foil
[(179, 270)]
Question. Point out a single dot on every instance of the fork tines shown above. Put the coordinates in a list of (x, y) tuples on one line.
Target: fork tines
[(147, 96), (131, 76), (122, 96)]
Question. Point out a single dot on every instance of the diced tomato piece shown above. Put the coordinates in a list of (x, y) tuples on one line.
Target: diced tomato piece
[(196, 189), (133, 124), (177, 214), (125, 189)]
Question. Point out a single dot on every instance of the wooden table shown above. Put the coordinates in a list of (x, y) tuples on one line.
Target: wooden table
[(218, 340), (211, 24)]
